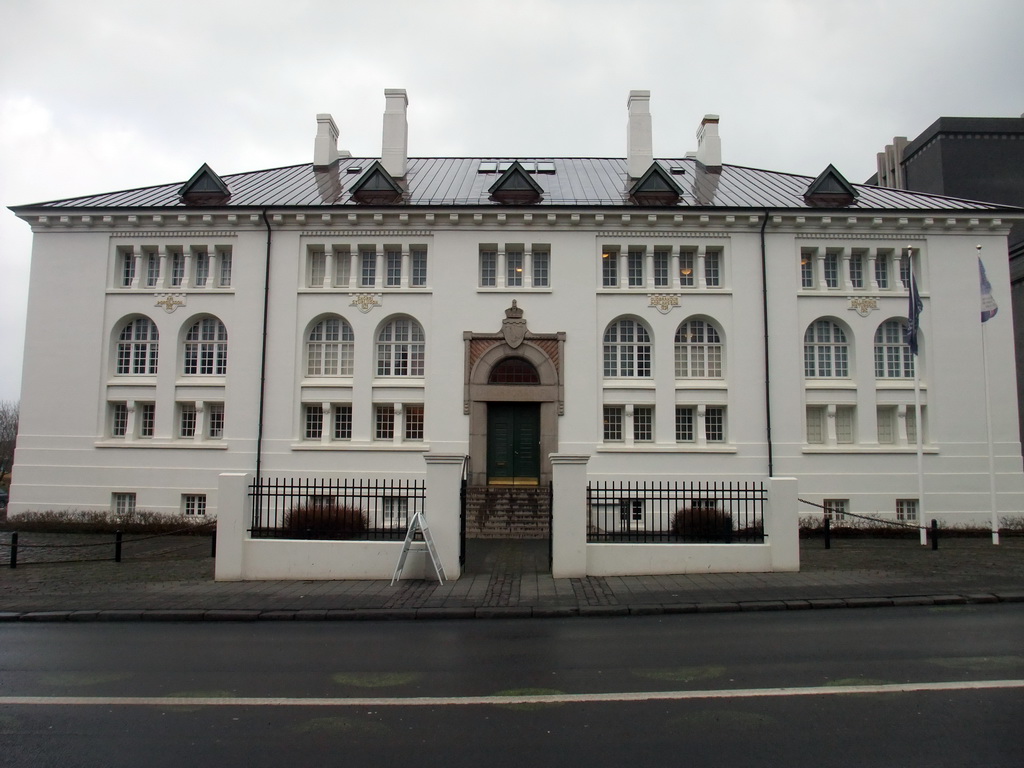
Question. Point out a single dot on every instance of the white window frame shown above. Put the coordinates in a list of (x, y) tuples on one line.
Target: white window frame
[(123, 502), (698, 350), (401, 349), (206, 348), (628, 350), (893, 358), (826, 351), (138, 346), (193, 504), (330, 348)]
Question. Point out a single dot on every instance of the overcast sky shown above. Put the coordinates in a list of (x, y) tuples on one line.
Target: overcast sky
[(101, 95)]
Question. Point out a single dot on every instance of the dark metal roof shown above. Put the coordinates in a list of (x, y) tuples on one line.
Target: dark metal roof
[(456, 181)]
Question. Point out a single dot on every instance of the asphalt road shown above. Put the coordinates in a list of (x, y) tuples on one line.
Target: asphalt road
[(891, 687)]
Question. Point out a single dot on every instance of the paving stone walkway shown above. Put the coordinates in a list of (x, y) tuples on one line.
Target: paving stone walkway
[(171, 578)]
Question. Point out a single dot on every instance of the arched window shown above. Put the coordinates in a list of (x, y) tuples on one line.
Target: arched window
[(206, 348), (627, 349), (893, 359), (400, 348), (137, 348), (329, 348), (698, 351), (514, 370), (826, 351)]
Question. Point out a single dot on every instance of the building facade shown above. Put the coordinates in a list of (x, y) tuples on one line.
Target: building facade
[(665, 317)]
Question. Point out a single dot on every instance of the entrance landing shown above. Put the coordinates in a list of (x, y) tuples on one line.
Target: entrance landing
[(501, 557)]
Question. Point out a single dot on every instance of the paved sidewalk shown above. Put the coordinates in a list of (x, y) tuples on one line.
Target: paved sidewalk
[(172, 579)]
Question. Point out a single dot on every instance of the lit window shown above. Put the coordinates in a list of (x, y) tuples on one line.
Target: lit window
[(400, 348), (807, 269), (610, 268), (514, 269), (698, 350), (330, 348), (206, 348), (613, 418), (137, 348), (627, 349), (825, 351), (893, 359), (686, 259)]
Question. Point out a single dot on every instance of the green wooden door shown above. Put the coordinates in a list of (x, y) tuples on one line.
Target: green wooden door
[(513, 443)]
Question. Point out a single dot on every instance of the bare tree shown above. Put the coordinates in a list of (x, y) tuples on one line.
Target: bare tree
[(8, 433)]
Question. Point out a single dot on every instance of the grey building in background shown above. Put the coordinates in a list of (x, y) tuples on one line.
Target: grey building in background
[(973, 158)]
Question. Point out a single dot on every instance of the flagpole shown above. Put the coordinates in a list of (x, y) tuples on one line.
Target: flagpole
[(988, 421)]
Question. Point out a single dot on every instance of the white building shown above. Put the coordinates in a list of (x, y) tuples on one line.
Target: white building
[(679, 318)]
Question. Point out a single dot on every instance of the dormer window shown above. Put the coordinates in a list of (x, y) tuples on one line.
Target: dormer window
[(655, 187), (376, 187), (830, 190), (204, 188), (515, 186)]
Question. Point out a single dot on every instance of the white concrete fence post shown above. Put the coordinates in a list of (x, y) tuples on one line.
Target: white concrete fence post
[(782, 524), (442, 508), (569, 515), (232, 521)]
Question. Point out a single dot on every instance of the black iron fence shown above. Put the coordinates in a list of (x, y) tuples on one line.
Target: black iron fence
[(364, 509), (675, 512)]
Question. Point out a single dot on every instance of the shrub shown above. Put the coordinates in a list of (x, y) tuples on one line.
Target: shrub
[(96, 521), (702, 523), (324, 519)]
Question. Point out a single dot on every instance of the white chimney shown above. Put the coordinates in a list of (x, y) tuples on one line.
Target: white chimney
[(325, 146), (709, 145), (639, 141), (394, 155)]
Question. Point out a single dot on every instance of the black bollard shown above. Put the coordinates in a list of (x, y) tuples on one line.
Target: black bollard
[(14, 549), (213, 544), (828, 533), (117, 547), (935, 534)]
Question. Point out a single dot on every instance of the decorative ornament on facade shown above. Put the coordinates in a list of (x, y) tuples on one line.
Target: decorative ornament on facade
[(863, 305), (170, 301), (663, 302), (513, 327), (364, 302)]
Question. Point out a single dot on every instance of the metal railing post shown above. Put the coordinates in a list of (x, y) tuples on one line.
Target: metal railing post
[(828, 533), (117, 547), (213, 543), (935, 534), (14, 549)]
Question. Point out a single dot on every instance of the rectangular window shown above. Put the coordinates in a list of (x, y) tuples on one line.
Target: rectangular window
[(714, 425), (202, 267), (610, 269), (613, 423), (343, 422), (186, 420), (393, 260), (886, 417), (215, 420), (906, 510), (836, 509), (152, 269), (224, 259), (385, 422), (643, 424), (194, 504), (342, 267), (317, 268), (882, 271), (413, 422), (635, 267), (147, 419), (541, 269), (177, 268), (807, 269), (857, 270), (832, 270), (684, 424), (127, 267), (118, 419), (713, 269), (314, 422), (488, 268), (686, 269), (844, 424), (661, 262), (419, 268), (815, 424), (514, 269), (368, 268), (122, 503)]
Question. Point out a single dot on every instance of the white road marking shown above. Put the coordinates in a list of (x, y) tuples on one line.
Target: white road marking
[(479, 701)]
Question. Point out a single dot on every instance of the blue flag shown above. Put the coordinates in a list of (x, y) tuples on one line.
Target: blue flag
[(913, 314), (988, 304)]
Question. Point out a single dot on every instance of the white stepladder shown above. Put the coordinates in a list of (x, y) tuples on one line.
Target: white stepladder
[(418, 523)]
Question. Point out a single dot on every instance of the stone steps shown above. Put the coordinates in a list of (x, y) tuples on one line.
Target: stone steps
[(507, 512)]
